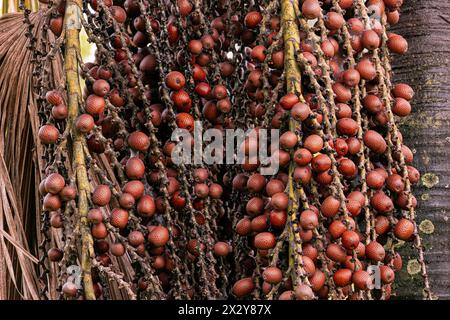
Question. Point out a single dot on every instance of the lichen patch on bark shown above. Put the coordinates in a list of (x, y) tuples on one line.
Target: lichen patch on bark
[(426, 226), (425, 197), (429, 180), (413, 267)]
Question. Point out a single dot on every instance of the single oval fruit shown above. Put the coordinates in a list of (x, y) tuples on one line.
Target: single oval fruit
[(95, 216), (119, 218), (309, 220), (60, 112), (366, 69), (136, 238), (334, 20), (135, 168), (395, 183), (401, 107), (222, 249), (402, 90), (243, 287), (304, 292), (375, 251), (381, 202), (350, 240), (135, 188), (48, 134), (361, 279), (54, 97), (54, 183), (175, 80), (256, 182), (139, 141), (311, 9), (321, 163), (55, 254), (265, 241), (336, 253), (252, 19), (288, 101), (336, 229), (280, 201), (404, 229), (375, 141), (330, 207), (158, 236), (100, 87), (375, 180), (387, 275), (382, 225), (272, 275), (347, 126), (370, 40), (244, 227), (313, 143), (101, 195), (351, 77), (117, 249), (342, 277), (85, 123), (372, 103), (146, 206), (185, 121), (397, 44), (300, 111)]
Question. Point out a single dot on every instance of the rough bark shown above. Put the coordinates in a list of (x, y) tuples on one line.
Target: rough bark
[(426, 67)]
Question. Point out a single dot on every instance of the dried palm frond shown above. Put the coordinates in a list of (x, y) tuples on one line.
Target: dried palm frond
[(21, 162)]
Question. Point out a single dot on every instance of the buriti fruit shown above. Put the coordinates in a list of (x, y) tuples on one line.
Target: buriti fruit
[(311, 229)]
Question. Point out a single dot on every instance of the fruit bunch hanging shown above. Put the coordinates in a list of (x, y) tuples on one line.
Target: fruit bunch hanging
[(137, 225)]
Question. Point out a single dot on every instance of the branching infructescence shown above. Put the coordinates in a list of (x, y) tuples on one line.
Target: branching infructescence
[(141, 222)]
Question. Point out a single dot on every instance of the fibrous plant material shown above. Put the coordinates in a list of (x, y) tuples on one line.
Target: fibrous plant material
[(138, 224), (22, 156)]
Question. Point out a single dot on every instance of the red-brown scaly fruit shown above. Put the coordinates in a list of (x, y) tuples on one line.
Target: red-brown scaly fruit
[(243, 287), (375, 141), (311, 9), (158, 236), (404, 229), (146, 206), (303, 292), (253, 19), (381, 202), (361, 279), (119, 218), (309, 220), (175, 80), (375, 251), (138, 141), (48, 134), (54, 183), (101, 195), (330, 206), (95, 216), (265, 240), (221, 249), (134, 168), (272, 275), (135, 188), (342, 277)]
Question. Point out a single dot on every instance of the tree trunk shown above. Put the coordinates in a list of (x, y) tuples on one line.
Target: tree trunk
[(426, 67)]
